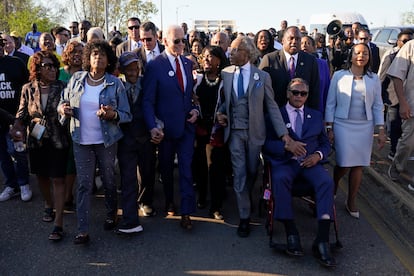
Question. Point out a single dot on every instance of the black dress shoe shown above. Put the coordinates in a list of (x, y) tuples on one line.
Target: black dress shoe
[(186, 222), (170, 209), (244, 228), (322, 251), (294, 248), (201, 204), (81, 239), (110, 223)]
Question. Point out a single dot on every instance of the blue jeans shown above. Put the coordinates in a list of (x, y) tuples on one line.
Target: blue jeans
[(14, 165), (86, 158)]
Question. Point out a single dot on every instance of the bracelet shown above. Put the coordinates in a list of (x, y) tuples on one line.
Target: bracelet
[(115, 116), (328, 128)]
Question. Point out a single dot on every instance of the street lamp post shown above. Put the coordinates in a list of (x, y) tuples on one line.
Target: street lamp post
[(176, 11)]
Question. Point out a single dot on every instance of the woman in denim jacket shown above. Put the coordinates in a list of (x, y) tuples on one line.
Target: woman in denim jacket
[(96, 103)]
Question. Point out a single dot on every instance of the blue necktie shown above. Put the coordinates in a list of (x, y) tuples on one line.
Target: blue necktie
[(292, 67), (240, 90), (298, 123)]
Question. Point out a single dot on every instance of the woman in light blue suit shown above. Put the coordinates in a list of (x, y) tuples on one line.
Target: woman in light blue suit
[(353, 108)]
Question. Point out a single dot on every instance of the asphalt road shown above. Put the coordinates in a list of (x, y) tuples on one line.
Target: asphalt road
[(371, 247)]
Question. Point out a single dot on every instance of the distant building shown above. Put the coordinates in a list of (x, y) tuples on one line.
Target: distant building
[(213, 25)]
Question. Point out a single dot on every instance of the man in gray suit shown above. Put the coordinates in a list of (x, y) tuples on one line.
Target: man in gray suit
[(247, 93), (133, 42)]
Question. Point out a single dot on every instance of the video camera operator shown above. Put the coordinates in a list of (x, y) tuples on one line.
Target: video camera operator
[(342, 47)]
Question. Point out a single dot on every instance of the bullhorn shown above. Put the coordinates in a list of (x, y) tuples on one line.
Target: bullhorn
[(334, 27)]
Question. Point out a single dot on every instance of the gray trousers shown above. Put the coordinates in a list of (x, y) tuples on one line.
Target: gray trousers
[(405, 146), (245, 161), (86, 158)]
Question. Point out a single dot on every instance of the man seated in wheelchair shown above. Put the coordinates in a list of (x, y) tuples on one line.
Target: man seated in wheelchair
[(304, 125)]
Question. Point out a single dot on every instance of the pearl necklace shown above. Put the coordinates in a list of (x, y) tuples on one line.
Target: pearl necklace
[(212, 83), (95, 81)]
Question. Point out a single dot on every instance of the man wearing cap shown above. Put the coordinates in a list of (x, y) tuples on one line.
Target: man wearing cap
[(18, 44), (14, 165), (135, 150)]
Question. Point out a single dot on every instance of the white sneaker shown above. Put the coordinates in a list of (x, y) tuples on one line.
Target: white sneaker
[(8, 193), (25, 192)]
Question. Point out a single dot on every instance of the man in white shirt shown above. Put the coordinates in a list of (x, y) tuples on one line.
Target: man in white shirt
[(150, 47), (133, 41), (61, 38), (18, 44)]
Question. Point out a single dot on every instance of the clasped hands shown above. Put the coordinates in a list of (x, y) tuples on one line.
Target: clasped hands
[(106, 112)]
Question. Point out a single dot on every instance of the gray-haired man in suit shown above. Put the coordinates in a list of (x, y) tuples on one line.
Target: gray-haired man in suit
[(242, 111)]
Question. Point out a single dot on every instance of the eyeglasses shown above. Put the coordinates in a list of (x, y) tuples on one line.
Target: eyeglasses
[(178, 40), (135, 27), (48, 66), (298, 92), (146, 39)]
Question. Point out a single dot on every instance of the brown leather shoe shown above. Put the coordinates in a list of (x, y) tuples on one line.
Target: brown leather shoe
[(186, 222)]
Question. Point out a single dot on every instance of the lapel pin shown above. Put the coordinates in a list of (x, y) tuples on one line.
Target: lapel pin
[(256, 76), (171, 73)]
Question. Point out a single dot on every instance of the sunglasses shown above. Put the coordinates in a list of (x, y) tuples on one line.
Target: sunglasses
[(298, 92), (135, 27), (404, 41), (146, 39), (48, 66), (178, 40)]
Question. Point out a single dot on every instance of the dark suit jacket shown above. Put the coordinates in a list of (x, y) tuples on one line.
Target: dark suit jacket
[(23, 57), (313, 134), (306, 68), (163, 98), (375, 57)]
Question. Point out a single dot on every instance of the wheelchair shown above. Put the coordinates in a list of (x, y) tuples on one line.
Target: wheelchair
[(300, 190)]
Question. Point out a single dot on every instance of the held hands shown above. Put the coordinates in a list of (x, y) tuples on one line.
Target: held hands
[(222, 119), (192, 116), (106, 112), (156, 135), (381, 139), (295, 147), (66, 109)]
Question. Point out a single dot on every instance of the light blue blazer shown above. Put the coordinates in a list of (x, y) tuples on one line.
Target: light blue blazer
[(339, 97)]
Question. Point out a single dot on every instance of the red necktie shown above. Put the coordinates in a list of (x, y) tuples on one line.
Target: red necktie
[(179, 74)]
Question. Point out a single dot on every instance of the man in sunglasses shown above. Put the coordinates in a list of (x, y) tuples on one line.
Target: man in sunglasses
[(304, 125), (133, 42), (150, 47), (170, 116), (14, 165)]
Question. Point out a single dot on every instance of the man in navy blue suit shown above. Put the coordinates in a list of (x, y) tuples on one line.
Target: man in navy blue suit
[(170, 116), (305, 125)]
